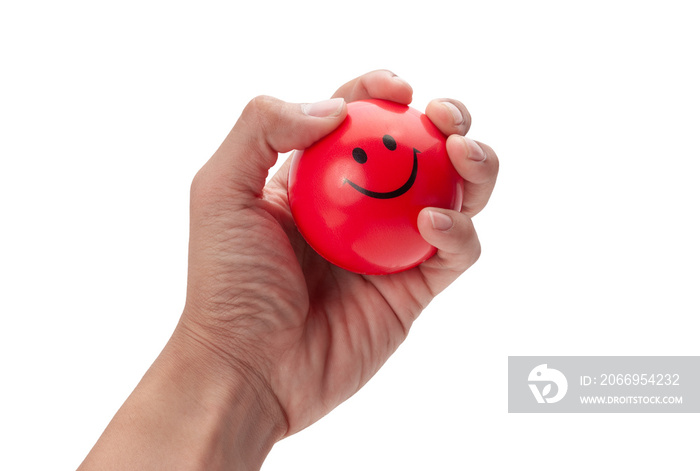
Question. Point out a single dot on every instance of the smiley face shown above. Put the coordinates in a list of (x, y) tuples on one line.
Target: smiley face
[(360, 156), (355, 195)]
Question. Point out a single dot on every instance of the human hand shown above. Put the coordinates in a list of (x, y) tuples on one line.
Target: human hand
[(272, 336), (306, 333)]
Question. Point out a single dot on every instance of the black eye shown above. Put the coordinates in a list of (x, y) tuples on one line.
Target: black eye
[(359, 155), (389, 142)]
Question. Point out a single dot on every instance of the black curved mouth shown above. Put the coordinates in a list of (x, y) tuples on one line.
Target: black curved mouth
[(397, 192)]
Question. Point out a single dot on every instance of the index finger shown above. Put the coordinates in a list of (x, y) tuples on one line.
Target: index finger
[(382, 84)]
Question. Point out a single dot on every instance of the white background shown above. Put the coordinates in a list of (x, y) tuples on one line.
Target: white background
[(590, 242)]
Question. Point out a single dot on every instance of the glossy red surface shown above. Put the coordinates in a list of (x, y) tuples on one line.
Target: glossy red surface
[(355, 195)]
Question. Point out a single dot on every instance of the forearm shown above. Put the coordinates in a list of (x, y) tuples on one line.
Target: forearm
[(189, 412)]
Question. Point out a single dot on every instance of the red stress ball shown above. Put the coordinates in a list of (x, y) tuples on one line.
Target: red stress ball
[(355, 195)]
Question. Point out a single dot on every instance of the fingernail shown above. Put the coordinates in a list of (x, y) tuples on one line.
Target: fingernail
[(323, 109), (456, 114), (474, 151), (440, 221)]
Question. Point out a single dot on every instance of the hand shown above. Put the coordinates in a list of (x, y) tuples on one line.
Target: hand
[(306, 332), (272, 336)]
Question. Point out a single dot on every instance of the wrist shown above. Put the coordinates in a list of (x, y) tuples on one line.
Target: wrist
[(240, 418), (192, 410)]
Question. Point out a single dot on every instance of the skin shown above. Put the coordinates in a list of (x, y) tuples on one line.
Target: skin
[(273, 337)]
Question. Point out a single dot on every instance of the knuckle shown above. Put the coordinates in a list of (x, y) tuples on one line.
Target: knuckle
[(265, 114), (471, 248), (494, 160), (489, 151), (467, 123), (260, 103), (476, 252), (261, 109), (200, 189)]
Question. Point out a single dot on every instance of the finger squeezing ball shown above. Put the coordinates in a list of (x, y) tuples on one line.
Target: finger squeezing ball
[(355, 195)]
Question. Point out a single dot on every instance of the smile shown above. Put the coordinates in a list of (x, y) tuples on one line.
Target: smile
[(397, 192)]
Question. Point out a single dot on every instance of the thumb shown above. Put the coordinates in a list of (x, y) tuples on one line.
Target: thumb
[(266, 127)]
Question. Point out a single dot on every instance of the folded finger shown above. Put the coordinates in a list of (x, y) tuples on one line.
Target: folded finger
[(453, 234), (478, 165), (381, 84), (450, 116)]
